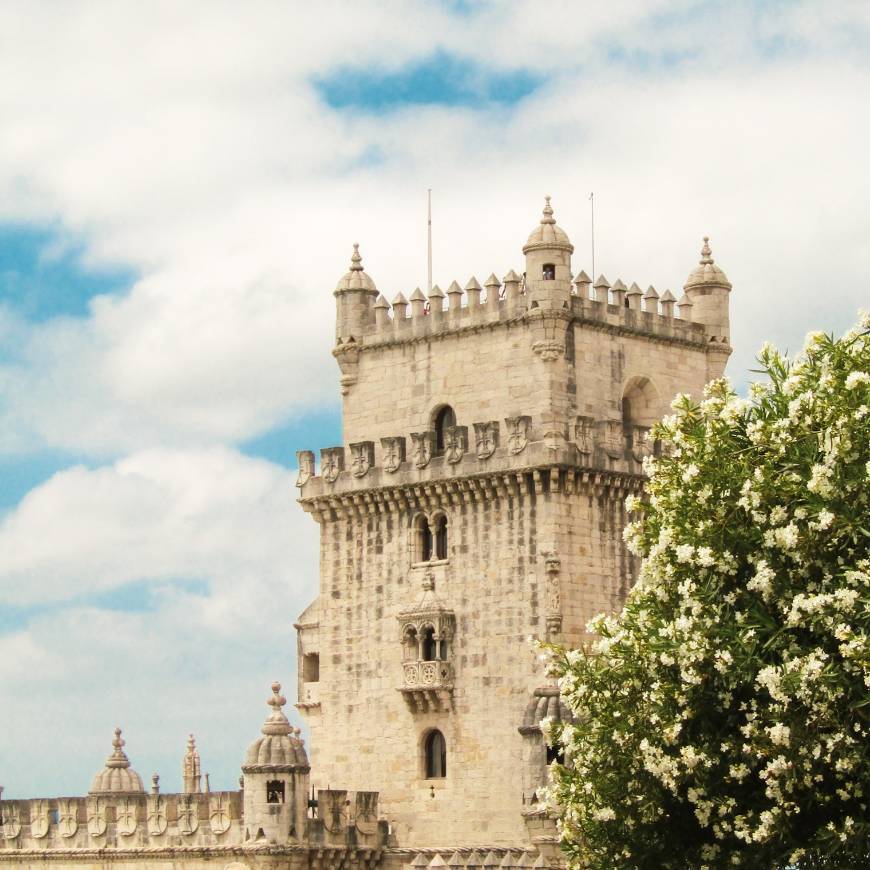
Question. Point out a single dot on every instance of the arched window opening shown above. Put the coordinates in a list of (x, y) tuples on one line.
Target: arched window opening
[(549, 272), (435, 749), (430, 645), (410, 644), (444, 419), (274, 791), (555, 753), (440, 536), (423, 540)]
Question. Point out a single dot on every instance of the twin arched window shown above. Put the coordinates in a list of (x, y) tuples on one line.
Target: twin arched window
[(430, 540), (435, 755)]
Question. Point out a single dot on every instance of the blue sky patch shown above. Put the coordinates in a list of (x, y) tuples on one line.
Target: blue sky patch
[(308, 432), (440, 79), (42, 274), (20, 474)]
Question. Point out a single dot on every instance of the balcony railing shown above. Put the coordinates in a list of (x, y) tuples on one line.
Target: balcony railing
[(427, 685)]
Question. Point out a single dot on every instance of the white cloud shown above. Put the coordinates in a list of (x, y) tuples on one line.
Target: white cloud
[(190, 659)]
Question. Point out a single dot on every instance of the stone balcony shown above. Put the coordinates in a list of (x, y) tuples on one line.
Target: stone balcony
[(427, 685)]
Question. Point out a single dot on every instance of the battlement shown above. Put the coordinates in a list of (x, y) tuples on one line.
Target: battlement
[(505, 448), (474, 307)]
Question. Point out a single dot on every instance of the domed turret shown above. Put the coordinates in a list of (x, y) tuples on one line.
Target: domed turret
[(276, 778), (548, 263), (707, 292), (355, 296), (117, 777)]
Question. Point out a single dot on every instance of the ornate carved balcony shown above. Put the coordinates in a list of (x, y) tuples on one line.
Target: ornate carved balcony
[(427, 685)]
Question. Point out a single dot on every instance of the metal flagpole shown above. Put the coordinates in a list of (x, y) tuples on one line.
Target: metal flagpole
[(592, 208), (429, 230)]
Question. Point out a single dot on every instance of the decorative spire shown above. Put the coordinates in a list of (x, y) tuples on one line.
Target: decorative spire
[(356, 260), (276, 722), (118, 758), (190, 767), (706, 253), (548, 212)]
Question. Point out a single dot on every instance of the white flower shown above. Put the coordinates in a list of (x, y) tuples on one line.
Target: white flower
[(605, 814), (779, 734), (685, 552), (856, 378), (691, 472), (825, 519)]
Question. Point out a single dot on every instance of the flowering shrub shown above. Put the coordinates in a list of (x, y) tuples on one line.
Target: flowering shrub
[(723, 716)]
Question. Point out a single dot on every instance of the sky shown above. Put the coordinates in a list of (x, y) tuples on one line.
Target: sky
[(180, 187)]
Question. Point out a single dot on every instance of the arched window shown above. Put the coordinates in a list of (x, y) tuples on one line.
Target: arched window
[(274, 791), (435, 750), (423, 541), (444, 419), (430, 646), (549, 272), (410, 646), (440, 537)]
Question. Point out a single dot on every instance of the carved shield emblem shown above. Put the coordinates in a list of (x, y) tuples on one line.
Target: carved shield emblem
[(362, 457), (332, 808), (219, 814), (583, 434), (125, 816), (67, 822), (517, 433), (305, 458), (96, 817), (331, 463), (188, 818), (611, 438), (486, 438), (39, 819), (366, 815), (157, 819), (455, 442), (423, 447), (11, 820), (393, 453)]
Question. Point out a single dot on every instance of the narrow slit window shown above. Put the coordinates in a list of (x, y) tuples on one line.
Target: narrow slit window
[(436, 755)]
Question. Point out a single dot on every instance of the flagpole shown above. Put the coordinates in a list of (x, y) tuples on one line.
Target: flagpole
[(429, 234), (592, 209)]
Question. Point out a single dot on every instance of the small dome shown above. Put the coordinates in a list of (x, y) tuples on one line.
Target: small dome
[(544, 703), (548, 234), (707, 272), (117, 777), (280, 748), (356, 278)]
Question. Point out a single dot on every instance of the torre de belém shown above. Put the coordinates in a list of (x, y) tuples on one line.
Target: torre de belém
[(477, 499)]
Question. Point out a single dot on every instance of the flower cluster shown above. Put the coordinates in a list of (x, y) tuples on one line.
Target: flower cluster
[(723, 718)]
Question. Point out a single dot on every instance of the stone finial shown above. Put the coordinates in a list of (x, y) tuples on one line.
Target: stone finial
[(155, 784), (618, 290), (473, 290), (190, 767), (472, 284), (418, 303), (685, 307), (602, 282), (276, 722), (436, 301), (400, 307), (582, 282), (547, 217), (382, 308), (633, 295), (118, 758), (493, 285), (651, 300), (706, 253), (355, 259), (668, 299)]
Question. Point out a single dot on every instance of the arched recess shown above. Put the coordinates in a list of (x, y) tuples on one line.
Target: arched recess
[(422, 542), (434, 755), (641, 407), (443, 418), (438, 529)]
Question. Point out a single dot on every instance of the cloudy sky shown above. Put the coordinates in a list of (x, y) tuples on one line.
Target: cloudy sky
[(180, 185)]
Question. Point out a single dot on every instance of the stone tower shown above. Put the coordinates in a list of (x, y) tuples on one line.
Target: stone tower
[(477, 499)]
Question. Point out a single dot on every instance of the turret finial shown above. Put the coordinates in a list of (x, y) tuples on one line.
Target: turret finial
[(356, 259), (276, 722), (548, 212), (118, 758), (706, 253)]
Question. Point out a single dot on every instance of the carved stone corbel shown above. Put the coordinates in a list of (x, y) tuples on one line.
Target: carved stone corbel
[(347, 356)]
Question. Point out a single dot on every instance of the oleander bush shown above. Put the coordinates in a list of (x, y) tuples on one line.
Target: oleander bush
[(723, 715)]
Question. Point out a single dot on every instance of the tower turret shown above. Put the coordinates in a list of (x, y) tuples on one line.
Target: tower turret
[(276, 779), (190, 768), (355, 296), (548, 263), (708, 290)]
